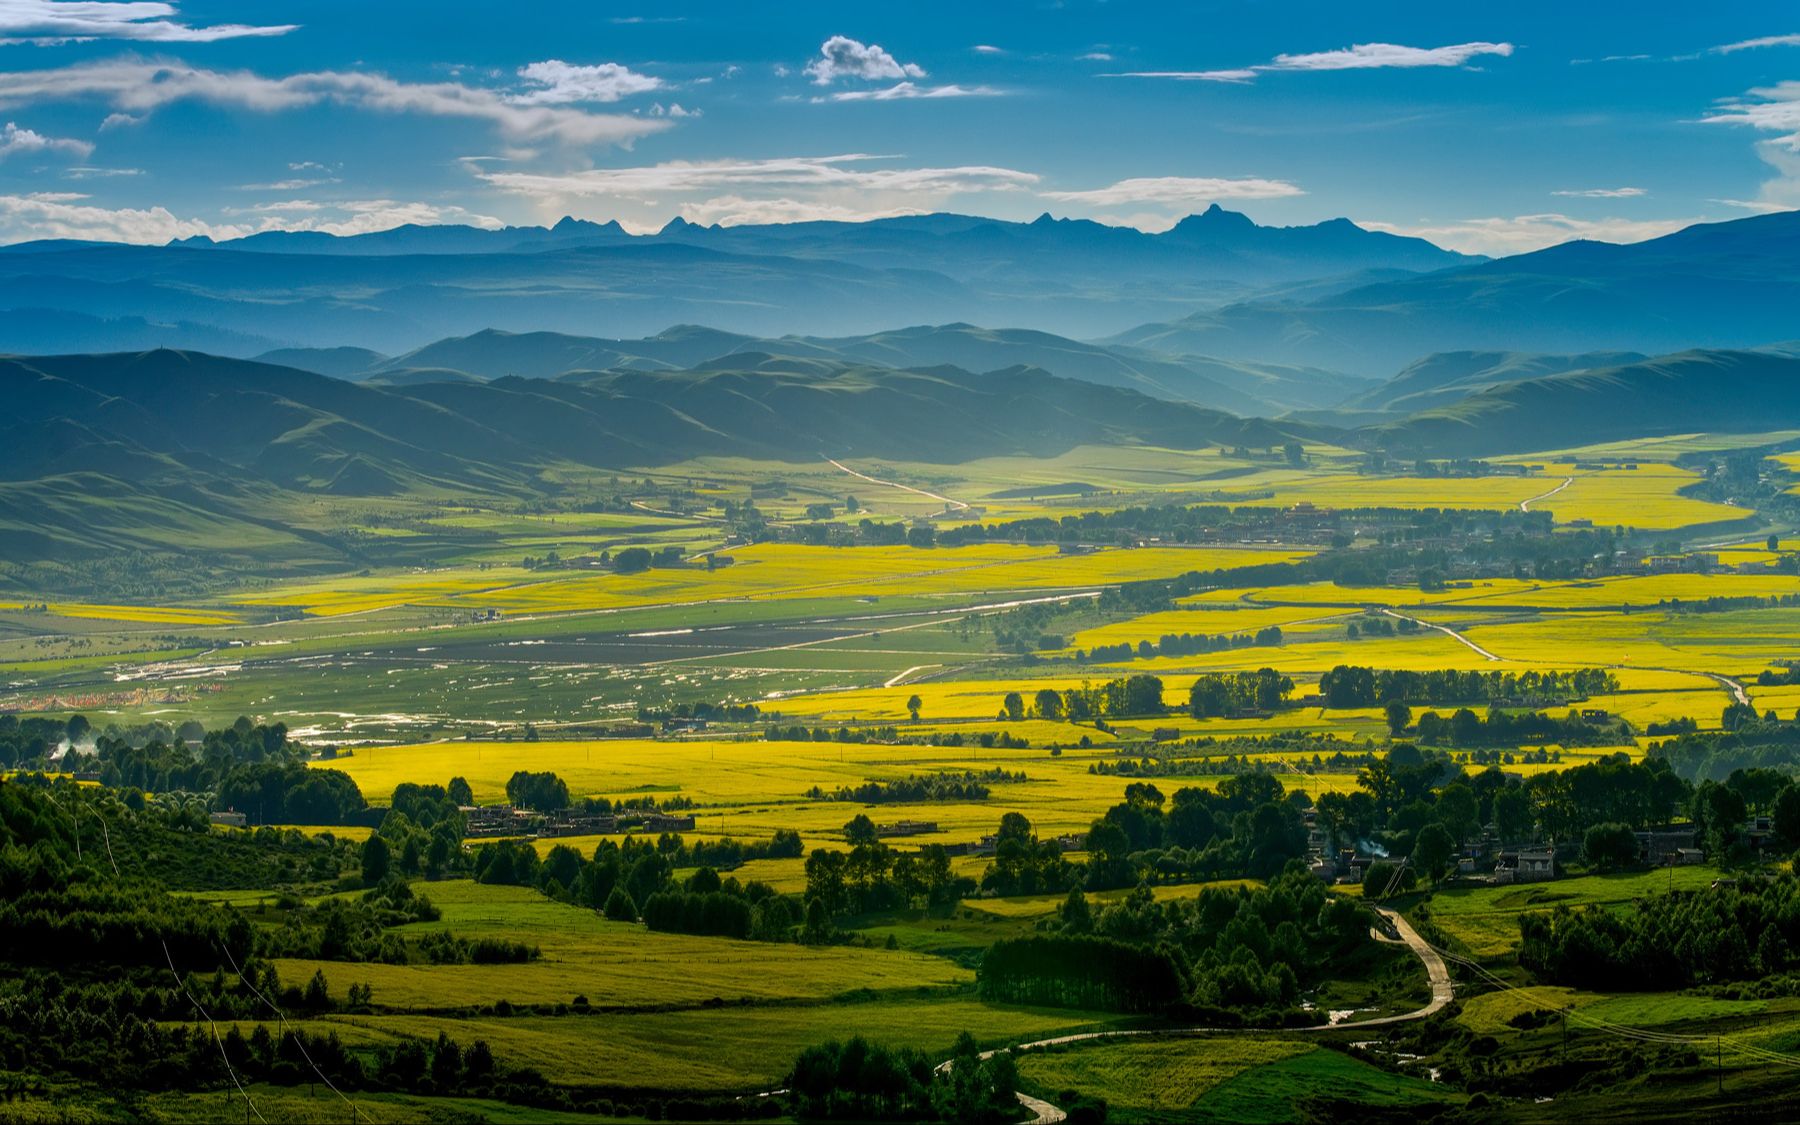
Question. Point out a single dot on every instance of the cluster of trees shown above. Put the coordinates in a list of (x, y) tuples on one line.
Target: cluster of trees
[(1348, 685), (1179, 644), (800, 733), (862, 1081), (539, 792), (708, 905), (622, 879), (966, 786), (1464, 728), (705, 712), (1229, 955), (1669, 941), (872, 877), (1219, 694), (1747, 742)]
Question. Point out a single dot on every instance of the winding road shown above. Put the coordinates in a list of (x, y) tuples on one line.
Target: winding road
[(1525, 505), (955, 505), (1436, 972), (1444, 629)]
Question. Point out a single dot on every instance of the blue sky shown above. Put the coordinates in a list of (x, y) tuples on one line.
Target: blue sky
[(1487, 127)]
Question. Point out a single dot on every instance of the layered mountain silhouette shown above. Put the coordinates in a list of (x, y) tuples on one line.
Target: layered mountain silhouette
[(398, 289), (1733, 284), (1239, 387)]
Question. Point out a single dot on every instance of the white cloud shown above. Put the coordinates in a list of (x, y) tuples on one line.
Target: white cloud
[(847, 171), (844, 57), (1096, 56), (1522, 233), (46, 22), (987, 49), (15, 140), (289, 185), (1604, 193), (89, 172), (735, 210), (68, 215), (903, 90), (1177, 190), (135, 87), (1770, 109), (1362, 56), (673, 109), (47, 215), (849, 186), (1752, 44), (560, 83)]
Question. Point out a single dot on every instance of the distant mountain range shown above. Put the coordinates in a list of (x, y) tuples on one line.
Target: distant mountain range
[(1716, 285), (1241, 388), (395, 290)]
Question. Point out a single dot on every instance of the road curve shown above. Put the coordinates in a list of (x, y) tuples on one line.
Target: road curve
[(1444, 629), (1525, 505), (949, 504), (1442, 991)]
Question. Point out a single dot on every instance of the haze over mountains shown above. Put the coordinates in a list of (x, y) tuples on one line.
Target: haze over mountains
[(399, 289), (1578, 344)]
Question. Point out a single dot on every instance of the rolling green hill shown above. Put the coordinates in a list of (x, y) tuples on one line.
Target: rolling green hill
[(1696, 391)]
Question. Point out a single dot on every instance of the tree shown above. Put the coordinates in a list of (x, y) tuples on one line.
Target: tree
[(1013, 706), (619, 907), (860, 830), (631, 560), (1295, 454), (1399, 717), (459, 792), (1608, 847), (913, 704), (1512, 813), (1384, 878), (1774, 542), (375, 858), (1434, 852), (1077, 915), (1049, 704), (1787, 816)]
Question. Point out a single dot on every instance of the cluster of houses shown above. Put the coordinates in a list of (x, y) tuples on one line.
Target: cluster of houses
[(1487, 861), (506, 820)]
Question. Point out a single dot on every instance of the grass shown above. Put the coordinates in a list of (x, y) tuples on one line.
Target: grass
[(734, 1048), (1485, 920), (618, 965), (1178, 1072)]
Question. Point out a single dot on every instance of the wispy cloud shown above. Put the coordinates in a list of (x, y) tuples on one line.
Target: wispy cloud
[(1177, 190), (848, 170), (15, 141), (1753, 44), (135, 87), (46, 22), (900, 91), (1774, 109), (1521, 233), (843, 57), (1604, 193), (1362, 56), (554, 82), (987, 49)]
